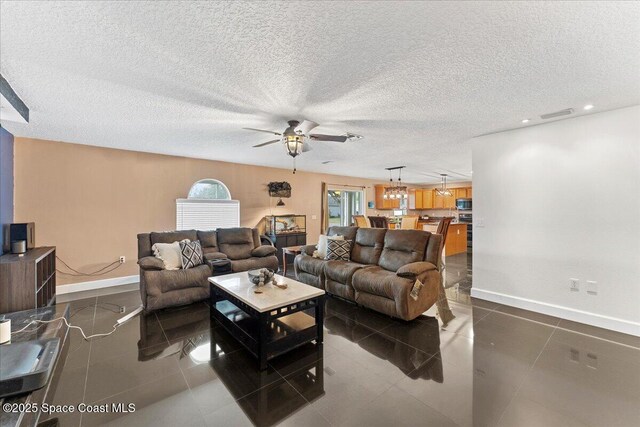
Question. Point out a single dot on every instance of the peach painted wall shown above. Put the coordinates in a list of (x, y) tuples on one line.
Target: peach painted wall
[(90, 202)]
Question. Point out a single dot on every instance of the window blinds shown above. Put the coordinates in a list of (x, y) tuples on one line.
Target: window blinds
[(202, 214)]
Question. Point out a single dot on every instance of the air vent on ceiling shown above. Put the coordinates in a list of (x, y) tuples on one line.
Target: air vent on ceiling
[(560, 113)]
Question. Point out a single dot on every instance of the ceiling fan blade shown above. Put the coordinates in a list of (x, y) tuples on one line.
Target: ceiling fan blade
[(273, 141), (334, 138), (306, 147), (262, 130), (306, 126)]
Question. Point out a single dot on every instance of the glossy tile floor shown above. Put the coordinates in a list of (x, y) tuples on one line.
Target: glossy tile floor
[(492, 365)]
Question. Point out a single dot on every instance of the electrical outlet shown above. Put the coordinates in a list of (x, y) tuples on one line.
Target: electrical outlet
[(314, 216), (592, 287), (122, 259), (574, 285)]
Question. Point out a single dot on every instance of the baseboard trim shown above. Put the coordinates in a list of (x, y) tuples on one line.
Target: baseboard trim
[(96, 284), (567, 313)]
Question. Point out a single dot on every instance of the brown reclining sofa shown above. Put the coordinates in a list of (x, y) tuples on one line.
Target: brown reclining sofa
[(162, 288), (382, 271)]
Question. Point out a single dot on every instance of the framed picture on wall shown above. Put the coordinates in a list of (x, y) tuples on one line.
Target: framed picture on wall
[(371, 204)]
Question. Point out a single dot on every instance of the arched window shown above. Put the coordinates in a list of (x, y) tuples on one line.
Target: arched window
[(209, 189), (208, 206)]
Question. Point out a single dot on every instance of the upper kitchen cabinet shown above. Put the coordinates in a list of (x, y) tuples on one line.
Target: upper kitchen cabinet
[(382, 203), (427, 199), (461, 193), (444, 202)]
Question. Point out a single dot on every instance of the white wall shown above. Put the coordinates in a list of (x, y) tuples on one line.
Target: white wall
[(559, 201)]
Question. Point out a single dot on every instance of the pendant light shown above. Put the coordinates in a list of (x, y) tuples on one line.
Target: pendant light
[(395, 191), (443, 191)]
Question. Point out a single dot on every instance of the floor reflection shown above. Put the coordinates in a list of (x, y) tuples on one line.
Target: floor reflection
[(492, 365)]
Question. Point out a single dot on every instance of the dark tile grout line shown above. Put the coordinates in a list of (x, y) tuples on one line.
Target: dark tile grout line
[(596, 337), (528, 374), (418, 400), (86, 376)]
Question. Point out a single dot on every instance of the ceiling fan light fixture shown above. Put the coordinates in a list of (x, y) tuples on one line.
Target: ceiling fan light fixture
[(294, 144)]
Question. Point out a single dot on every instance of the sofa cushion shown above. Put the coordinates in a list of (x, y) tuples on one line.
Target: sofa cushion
[(378, 281), (367, 246), (237, 243), (169, 253), (264, 250), (253, 263), (349, 233), (191, 254), (341, 271), (403, 247), (338, 250), (212, 253), (172, 236), (164, 281), (144, 245), (208, 239), (310, 265), (323, 241)]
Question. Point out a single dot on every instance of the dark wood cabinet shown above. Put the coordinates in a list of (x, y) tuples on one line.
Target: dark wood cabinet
[(27, 281)]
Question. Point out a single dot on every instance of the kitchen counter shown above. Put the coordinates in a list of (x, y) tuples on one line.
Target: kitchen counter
[(456, 240)]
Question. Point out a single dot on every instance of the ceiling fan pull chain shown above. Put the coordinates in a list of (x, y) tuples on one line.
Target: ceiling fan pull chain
[(294, 165)]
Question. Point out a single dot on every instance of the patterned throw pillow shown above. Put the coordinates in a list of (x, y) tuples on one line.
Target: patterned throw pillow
[(339, 250), (191, 254)]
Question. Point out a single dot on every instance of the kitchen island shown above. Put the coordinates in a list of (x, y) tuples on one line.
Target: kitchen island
[(456, 239)]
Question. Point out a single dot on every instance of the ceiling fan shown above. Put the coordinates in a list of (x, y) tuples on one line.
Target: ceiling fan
[(296, 137)]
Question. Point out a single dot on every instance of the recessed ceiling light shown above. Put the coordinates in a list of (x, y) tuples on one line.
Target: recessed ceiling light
[(588, 106), (525, 121)]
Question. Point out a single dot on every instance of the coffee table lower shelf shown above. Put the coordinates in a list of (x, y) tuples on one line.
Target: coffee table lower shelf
[(268, 334)]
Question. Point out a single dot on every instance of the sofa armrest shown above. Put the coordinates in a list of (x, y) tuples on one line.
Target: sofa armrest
[(214, 255), (151, 263), (414, 269), (263, 251), (308, 249)]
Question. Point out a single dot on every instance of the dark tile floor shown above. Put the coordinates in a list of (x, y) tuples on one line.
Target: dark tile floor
[(492, 365)]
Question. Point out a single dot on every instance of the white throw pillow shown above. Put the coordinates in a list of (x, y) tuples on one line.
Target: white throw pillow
[(322, 245), (169, 253)]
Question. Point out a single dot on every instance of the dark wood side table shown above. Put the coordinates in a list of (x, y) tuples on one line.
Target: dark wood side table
[(289, 250)]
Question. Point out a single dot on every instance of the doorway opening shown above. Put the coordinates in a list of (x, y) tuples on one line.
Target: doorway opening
[(343, 204)]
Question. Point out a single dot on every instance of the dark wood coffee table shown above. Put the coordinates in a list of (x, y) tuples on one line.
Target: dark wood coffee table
[(269, 323)]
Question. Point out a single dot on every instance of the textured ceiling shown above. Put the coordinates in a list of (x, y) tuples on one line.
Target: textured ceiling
[(417, 79)]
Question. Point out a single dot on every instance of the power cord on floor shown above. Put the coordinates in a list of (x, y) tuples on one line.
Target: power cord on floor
[(119, 322), (64, 319)]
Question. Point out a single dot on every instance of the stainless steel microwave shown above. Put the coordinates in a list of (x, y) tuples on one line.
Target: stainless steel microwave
[(463, 204)]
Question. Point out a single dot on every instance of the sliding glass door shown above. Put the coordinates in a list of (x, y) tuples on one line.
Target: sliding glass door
[(343, 204)]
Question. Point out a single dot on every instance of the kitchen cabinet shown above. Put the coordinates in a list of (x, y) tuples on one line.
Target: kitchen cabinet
[(456, 240), (460, 193), (382, 203), (444, 202), (427, 199)]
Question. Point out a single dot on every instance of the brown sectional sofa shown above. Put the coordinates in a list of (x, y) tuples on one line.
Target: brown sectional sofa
[(163, 288), (381, 273)]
